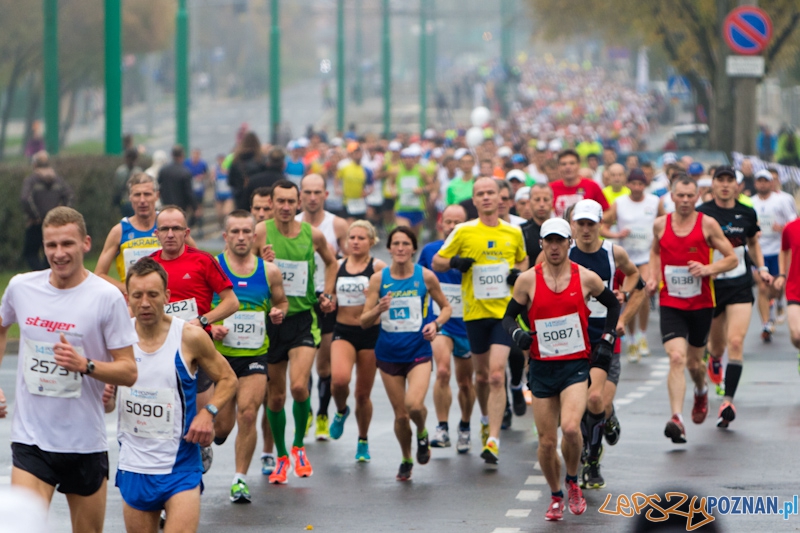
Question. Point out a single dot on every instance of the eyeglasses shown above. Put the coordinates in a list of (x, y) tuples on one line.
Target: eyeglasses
[(174, 229)]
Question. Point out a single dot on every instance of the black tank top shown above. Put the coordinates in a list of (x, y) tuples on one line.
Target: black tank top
[(350, 287)]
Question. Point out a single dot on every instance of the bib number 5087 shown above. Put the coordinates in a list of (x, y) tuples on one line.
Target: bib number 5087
[(557, 335)]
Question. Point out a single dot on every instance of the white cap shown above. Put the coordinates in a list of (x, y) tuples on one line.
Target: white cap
[(337, 141), (555, 145), (504, 151), (523, 194), (437, 152), (555, 226), (430, 133), (411, 151), (541, 146), (516, 174), (669, 158), (705, 182), (765, 174), (588, 210), (458, 154), (395, 146), (302, 142), (739, 177), (291, 145)]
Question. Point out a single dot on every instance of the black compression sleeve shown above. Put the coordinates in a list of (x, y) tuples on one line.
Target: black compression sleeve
[(608, 299), (513, 310)]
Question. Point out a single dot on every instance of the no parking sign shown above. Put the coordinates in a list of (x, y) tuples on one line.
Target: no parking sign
[(747, 30)]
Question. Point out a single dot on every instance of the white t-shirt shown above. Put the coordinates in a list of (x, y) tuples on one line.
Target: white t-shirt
[(56, 410), (775, 209)]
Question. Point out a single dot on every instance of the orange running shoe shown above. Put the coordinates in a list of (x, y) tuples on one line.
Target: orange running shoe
[(302, 468), (282, 468)]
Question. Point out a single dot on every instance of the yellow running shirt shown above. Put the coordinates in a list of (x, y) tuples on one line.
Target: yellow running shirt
[(496, 250)]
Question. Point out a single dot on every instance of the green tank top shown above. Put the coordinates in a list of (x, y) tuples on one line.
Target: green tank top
[(407, 181), (295, 259)]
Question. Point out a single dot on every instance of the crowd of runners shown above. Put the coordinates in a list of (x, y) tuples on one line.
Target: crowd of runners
[(526, 253)]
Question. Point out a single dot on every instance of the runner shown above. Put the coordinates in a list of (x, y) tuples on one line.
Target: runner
[(789, 278), (291, 245), (634, 216), (572, 188), (413, 185), (312, 197), (681, 257), (357, 182), (261, 204), (76, 328), (541, 201), (734, 302), (160, 428), (561, 357), (493, 253), (773, 215), (460, 188), (506, 203), (604, 259), (391, 164), (194, 277), (398, 297), (242, 339), (223, 195), (452, 340), (352, 346)]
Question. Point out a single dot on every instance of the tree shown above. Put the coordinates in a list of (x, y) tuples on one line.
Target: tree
[(689, 32)]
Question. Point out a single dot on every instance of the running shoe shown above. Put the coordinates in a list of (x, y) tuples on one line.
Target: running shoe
[(267, 464), (485, 428), (612, 429), (308, 423), (207, 456), (404, 474), (281, 472), (675, 431), (644, 348), (700, 407), (507, 418), (766, 335), (362, 451), (322, 432), (162, 519), (727, 413), (441, 438), (577, 503), (556, 509), (591, 477), (337, 427), (423, 449), (302, 467), (715, 369), (633, 353), (491, 453), (464, 443), (240, 493), (518, 401)]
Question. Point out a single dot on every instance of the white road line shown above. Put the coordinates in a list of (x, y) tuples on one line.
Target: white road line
[(506, 530), (536, 480), (636, 395), (644, 389), (653, 382), (518, 513), (658, 373), (623, 401), (5, 480), (536, 466), (529, 495)]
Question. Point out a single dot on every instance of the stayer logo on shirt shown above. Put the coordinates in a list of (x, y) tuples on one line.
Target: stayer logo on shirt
[(49, 325)]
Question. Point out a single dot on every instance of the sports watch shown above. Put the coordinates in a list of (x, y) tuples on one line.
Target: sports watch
[(212, 409)]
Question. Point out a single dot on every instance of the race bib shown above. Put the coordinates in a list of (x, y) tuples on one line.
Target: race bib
[(597, 309), (45, 377), (408, 198), (741, 266), (246, 329), (319, 273), (765, 222), (147, 413), (560, 336), (680, 283), (639, 239), (185, 309), (375, 198), (453, 294), (295, 276), (131, 255), (404, 315), (356, 206), (350, 290), (489, 281)]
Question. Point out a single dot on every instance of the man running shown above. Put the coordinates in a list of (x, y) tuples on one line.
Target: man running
[(541, 201), (260, 204), (634, 216), (572, 188), (160, 427), (75, 336), (453, 340), (291, 244), (312, 198), (194, 276), (734, 289), (681, 257), (789, 278), (413, 184), (554, 295), (492, 253), (773, 215), (242, 339)]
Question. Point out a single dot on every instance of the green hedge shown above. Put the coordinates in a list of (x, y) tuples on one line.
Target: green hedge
[(91, 179)]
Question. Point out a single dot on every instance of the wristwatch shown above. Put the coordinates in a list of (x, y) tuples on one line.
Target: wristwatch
[(89, 367), (212, 409), (203, 321), (627, 296), (610, 338)]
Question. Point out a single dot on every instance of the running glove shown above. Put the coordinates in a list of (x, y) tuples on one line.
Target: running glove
[(522, 338), (461, 263), (513, 275)]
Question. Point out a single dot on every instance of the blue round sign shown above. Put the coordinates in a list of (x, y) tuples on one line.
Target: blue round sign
[(747, 30)]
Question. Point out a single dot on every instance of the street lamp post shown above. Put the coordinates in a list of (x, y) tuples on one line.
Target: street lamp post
[(386, 70), (275, 72), (113, 66), (340, 66), (182, 75), (423, 65), (359, 56), (51, 81)]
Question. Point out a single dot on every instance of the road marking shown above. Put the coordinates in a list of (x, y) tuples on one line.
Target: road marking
[(636, 395), (529, 495), (658, 373), (518, 513), (506, 530), (653, 382), (644, 389), (5, 480), (622, 401), (536, 480), (536, 466)]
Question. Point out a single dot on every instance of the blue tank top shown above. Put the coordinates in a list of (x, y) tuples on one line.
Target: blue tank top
[(601, 263), (400, 339), (133, 245), (294, 169), (451, 286)]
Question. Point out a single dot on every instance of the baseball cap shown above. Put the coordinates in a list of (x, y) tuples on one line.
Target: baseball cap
[(523, 194), (395, 146), (411, 151), (555, 145), (302, 142), (555, 226), (637, 175), (704, 182), (588, 210), (504, 151), (541, 146), (458, 154), (695, 169), (670, 158), (518, 159), (764, 174), (516, 174), (725, 170)]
